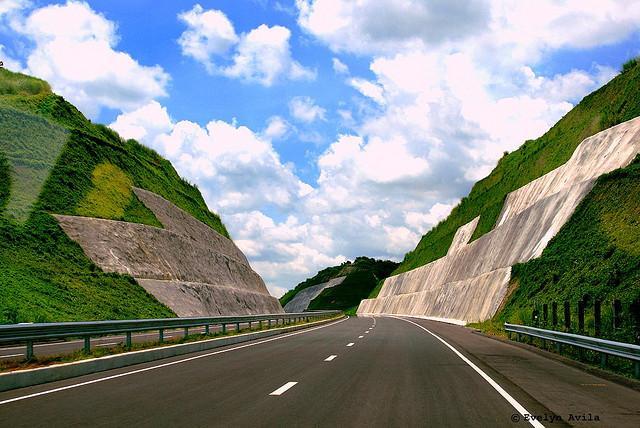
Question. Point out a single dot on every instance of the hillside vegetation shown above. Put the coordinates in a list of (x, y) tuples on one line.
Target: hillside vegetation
[(362, 276), (596, 253), (55, 161), (614, 103)]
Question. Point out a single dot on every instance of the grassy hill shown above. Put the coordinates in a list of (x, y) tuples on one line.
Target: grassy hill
[(362, 276), (614, 103), (55, 161), (596, 253)]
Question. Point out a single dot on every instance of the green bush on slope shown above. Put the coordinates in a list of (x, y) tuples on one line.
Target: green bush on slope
[(596, 253), (612, 104), (5, 181), (361, 278)]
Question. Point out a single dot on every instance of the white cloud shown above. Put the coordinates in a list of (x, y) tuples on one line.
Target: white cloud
[(305, 109), (339, 67), (8, 7), (276, 291), (208, 33), (145, 123), (236, 167), (8, 62), (105, 77), (368, 89), (369, 26), (276, 128), (263, 55)]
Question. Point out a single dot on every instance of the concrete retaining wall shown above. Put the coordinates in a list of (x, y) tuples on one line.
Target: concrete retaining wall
[(301, 301), (469, 283), (187, 265)]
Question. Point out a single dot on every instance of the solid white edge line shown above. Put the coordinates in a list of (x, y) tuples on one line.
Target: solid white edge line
[(485, 376), (330, 358), (12, 355), (284, 388), (172, 363), (350, 344)]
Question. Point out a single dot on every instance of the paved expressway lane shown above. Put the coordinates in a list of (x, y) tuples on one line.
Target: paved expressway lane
[(355, 372)]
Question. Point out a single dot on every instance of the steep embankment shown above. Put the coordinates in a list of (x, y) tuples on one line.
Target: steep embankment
[(338, 287), (597, 253), (470, 280), (55, 161), (612, 104)]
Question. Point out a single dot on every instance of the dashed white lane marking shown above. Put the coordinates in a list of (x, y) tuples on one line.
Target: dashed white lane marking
[(12, 355), (485, 376), (171, 363), (108, 344), (284, 388), (330, 358), (360, 337), (350, 344), (366, 332)]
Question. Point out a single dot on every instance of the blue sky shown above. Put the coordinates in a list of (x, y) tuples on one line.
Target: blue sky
[(318, 129)]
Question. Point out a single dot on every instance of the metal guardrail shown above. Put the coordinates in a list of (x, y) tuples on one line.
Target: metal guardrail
[(31, 333), (603, 346)]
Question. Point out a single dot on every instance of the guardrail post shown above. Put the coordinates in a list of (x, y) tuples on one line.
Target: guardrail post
[(224, 328), (269, 323), (29, 350), (161, 335), (634, 308), (206, 329), (554, 313), (249, 325), (559, 347), (567, 316), (617, 314), (545, 313), (237, 327), (603, 360), (580, 316), (87, 345), (597, 315), (128, 340), (186, 331), (260, 325)]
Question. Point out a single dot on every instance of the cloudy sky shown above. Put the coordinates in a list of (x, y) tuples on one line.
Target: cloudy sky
[(322, 130)]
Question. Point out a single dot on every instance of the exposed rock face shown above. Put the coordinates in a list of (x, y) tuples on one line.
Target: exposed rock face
[(187, 266), (301, 301), (469, 283)]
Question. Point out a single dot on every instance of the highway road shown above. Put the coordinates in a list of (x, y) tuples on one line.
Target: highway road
[(361, 372)]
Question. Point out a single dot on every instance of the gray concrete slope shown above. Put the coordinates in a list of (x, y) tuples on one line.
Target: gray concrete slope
[(469, 283), (301, 301), (395, 375), (187, 265)]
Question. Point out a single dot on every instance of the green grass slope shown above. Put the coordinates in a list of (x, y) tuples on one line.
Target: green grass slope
[(82, 169), (596, 253), (614, 103), (362, 276)]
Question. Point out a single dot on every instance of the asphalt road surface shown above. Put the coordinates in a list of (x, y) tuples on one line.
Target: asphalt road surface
[(360, 372)]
